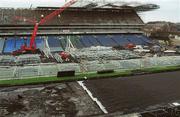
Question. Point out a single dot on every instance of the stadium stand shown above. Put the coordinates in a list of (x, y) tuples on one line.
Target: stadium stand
[(7, 72), (30, 71), (58, 58), (63, 41), (77, 16), (1, 45), (9, 45), (40, 42), (93, 40), (105, 40), (120, 40), (28, 59), (96, 65), (13, 43), (76, 41), (89, 66), (84, 41), (65, 67), (103, 53), (89, 31), (7, 60), (49, 70), (55, 44), (19, 43)]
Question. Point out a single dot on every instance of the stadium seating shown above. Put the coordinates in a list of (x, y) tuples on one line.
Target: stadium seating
[(28, 71), (120, 40), (14, 43), (84, 41), (28, 59), (73, 17), (40, 42), (49, 70), (19, 43), (93, 40), (9, 45), (134, 39), (7, 60), (63, 42), (145, 38), (7, 72), (55, 44), (105, 40), (1, 45), (76, 41)]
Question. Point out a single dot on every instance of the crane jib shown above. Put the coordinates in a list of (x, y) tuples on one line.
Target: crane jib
[(32, 46)]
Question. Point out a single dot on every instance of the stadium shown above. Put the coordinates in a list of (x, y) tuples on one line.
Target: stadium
[(82, 41)]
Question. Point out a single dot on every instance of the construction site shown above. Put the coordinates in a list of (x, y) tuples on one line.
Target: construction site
[(80, 38)]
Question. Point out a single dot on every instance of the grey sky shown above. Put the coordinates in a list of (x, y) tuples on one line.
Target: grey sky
[(169, 11)]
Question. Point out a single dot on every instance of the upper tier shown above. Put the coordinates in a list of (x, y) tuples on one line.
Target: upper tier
[(72, 16)]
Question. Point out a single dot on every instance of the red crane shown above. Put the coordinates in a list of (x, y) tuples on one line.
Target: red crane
[(32, 47)]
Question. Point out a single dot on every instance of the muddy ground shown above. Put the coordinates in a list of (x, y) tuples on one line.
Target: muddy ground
[(55, 100), (119, 96), (136, 93)]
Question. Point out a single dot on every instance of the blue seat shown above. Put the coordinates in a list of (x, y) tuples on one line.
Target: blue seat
[(63, 42), (12, 44), (39, 42), (105, 40), (55, 44), (2, 41), (78, 44), (54, 41), (85, 41), (145, 39), (94, 41), (9, 45), (76, 41), (27, 41), (139, 39), (134, 39), (121, 40), (19, 43)]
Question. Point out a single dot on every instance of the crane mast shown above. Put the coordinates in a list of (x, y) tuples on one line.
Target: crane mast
[(32, 46)]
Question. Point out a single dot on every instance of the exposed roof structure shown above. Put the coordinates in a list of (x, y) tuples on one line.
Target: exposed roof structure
[(139, 6)]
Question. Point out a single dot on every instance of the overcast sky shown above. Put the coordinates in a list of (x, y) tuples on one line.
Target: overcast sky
[(169, 11)]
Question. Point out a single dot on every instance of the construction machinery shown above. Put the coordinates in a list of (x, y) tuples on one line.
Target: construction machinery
[(32, 46)]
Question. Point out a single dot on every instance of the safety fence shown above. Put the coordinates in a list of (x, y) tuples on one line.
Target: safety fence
[(45, 70)]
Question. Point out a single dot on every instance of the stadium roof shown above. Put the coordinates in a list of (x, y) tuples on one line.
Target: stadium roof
[(138, 5)]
